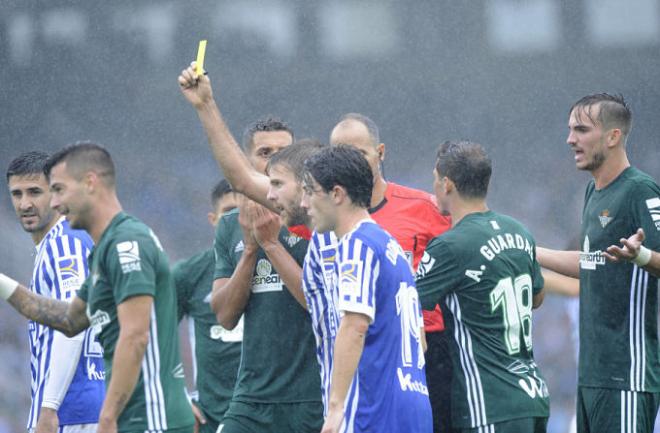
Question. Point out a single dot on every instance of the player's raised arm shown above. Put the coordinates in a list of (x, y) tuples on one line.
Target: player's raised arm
[(226, 151), (68, 318)]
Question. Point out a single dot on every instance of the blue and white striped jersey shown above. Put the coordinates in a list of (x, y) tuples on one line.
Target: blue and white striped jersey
[(59, 270), (318, 281), (371, 275)]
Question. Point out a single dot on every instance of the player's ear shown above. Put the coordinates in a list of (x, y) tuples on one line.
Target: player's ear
[(338, 194), (212, 217), (381, 151), (448, 185), (613, 137)]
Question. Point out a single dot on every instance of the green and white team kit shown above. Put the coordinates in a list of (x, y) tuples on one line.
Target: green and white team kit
[(129, 261), (486, 272), (217, 351), (619, 301), (278, 361)]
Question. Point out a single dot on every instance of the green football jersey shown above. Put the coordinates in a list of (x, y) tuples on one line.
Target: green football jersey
[(485, 268), (129, 261), (619, 301), (278, 360), (217, 351)]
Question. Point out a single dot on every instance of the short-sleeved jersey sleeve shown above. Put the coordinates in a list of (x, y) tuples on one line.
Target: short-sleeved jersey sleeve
[(224, 263), (437, 273), (537, 277), (183, 288), (83, 291), (646, 212), (358, 268), (68, 260), (131, 264)]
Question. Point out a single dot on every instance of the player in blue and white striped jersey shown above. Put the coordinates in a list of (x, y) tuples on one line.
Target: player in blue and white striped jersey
[(377, 379), (67, 376), (319, 270)]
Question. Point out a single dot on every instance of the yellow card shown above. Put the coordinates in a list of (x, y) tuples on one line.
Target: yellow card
[(201, 51)]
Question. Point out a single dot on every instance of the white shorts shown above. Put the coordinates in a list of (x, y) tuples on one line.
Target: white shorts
[(75, 428)]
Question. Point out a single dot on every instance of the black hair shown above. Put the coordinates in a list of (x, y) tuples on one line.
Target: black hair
[(264, 124), (220, 189), (467, 165), (27, 164), (84, 156), (343, 166), (614, 111), (294, 156)]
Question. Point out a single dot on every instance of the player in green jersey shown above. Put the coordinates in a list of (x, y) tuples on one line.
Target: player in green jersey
[(217, 351), (484, 270), (129, 296), (618, 369), (258, 273)]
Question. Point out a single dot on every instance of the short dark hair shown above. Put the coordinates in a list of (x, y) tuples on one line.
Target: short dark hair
[(220, 189), (264, 124), (344, 166), (27, 164), (467, 165), (294, 156), (367, 122), (84, 156), (614, 111)]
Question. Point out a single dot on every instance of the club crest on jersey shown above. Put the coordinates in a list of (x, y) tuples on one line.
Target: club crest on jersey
[(129, 256), (654, 209), (588, 259), (604, 218), (70, 272), (292, 240)]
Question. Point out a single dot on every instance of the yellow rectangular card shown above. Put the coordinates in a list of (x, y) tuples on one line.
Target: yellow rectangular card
[(201, 52)]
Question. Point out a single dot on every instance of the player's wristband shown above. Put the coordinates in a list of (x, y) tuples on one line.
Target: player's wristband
[(643, 257), (7, 286)]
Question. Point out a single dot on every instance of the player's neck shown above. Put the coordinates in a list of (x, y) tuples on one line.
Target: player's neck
[(102, 217), (378, 192), (349, 220), (610, 170), (462, 208), (37, 237)]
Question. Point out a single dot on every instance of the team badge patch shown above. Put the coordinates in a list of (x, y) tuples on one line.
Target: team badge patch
[(604, 218), (654, 209), (70, 272), (129, 256), (350, 279)]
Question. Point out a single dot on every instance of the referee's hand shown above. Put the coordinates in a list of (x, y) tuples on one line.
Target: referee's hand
[(195, 88)]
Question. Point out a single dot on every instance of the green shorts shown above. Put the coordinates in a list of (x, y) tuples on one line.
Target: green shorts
[(244, 417), (520, 425), (607, 410)]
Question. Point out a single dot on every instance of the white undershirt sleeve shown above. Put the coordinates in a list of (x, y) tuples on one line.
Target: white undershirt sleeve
[(65, 354)]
